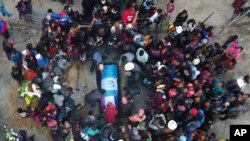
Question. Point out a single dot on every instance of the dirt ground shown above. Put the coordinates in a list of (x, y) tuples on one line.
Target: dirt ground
[(197, 9)]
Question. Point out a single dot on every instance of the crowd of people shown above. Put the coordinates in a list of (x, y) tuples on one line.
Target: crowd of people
[(180, 69)]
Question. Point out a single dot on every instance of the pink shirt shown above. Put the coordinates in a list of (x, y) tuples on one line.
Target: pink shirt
[(169, 8)]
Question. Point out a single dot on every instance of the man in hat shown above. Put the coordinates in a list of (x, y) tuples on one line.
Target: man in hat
[(133, 71)]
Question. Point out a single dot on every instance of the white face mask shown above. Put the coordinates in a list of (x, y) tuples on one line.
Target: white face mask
[(103, 2), (113, 11)]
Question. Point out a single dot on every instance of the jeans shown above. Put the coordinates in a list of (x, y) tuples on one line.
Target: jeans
[(4, 12)]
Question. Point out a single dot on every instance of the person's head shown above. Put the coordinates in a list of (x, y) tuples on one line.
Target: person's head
[(90, 112), (235, 37), (246, 78), (113, 9), (233, 62), (240, 49), (184, 13), (217, 45), (66, 8), (50, 10), (103, 91), (132, 10), (171, 1), (141, 52), (193, 111), (117, 24), (124, 58), (159, 11), (29, 46), (19, 110)]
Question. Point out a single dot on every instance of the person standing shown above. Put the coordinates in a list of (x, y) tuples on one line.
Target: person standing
[(181, 18), (237, 5), (169, 8), (3, 10), (97, 61), (22, 9), (88, 7), (4, 29)]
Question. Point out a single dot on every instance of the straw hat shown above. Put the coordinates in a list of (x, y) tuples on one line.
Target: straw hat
[(129, 66), (172, 125)]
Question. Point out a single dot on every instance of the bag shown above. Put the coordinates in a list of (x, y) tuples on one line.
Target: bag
[(237, 4)]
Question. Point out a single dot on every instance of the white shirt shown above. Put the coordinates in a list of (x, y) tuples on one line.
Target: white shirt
[(154, 17)]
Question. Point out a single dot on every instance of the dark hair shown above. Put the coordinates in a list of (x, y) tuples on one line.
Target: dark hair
[(90, 112), (29, 46), (246, 78), (234, 61), (235, 37), (159, 10), (103, 91), (66, 7), (141, 52), (50, 10), (172, 1), (241, 48), (70, 89), (217, 45), (19, 110), (123, 58), (184, 11)]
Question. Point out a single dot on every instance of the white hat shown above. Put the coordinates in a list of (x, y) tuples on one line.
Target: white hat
[(179, 29), (227, 104), (55, 79), (142, 57), (172, 125), (196, 61), (129, 66), (204, 41), (39, 56), (105, 8)]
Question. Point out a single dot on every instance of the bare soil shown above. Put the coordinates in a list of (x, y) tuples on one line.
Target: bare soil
[(197, 9)]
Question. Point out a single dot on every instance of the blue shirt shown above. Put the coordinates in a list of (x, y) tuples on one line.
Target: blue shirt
[(97, 57)]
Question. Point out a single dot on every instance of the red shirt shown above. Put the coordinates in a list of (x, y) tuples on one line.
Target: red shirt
[(128, 17)]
